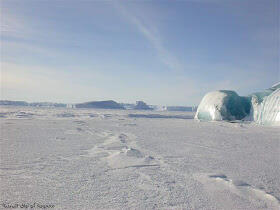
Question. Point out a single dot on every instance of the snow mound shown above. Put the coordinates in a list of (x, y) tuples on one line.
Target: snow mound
[(223, 105)]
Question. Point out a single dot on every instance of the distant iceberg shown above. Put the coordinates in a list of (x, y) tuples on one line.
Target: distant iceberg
[(141, 105), (181, 108), (13, 103), (100, 105), (47, 104), (261, 107)]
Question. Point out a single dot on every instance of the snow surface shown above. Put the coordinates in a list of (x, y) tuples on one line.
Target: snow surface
[(125, 159)]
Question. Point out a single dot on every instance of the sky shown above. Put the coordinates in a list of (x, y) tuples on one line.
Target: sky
[(165, 52)]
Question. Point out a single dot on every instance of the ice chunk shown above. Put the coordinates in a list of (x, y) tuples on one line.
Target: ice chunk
[(223, 105)]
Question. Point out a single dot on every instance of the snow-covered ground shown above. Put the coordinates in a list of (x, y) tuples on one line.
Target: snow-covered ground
[(127, 159)]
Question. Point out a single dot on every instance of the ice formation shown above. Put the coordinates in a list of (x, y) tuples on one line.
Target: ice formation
[(261, 107), (100, 105), (141, 105), (267, 111), (223, 105)]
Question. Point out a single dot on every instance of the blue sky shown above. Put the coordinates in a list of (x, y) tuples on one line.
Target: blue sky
[(163, 52)]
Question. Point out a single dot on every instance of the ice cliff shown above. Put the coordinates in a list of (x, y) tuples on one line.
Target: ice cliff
[(261, 107), (266, 109)]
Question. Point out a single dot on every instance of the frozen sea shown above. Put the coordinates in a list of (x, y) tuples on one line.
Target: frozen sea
[(126, 159)]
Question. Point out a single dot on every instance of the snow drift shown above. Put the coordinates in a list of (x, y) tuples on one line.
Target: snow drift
[(261, 107)]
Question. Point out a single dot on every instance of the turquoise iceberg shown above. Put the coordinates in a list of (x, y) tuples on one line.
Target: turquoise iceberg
[(261, 107), (223, 105)]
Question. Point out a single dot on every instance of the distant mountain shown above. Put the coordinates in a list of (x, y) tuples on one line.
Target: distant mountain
[(13, 103), (100, 105)]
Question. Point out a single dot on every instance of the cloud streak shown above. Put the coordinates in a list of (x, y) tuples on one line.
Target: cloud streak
[(13, 26), (165, 56)]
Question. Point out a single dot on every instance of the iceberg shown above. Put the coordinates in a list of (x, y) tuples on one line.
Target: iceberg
[(260, 107), (100, 105), (223, 105), (141, 105)]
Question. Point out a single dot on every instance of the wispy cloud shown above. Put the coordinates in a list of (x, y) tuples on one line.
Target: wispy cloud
[(149, 32), (13, 26)]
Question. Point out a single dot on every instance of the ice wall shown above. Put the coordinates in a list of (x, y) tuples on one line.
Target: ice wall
[(268, 112)]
